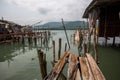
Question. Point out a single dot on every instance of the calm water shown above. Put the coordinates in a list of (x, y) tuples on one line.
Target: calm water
[(20, 62)]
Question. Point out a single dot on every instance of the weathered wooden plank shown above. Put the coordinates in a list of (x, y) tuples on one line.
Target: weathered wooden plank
[(78, 77), (54, 74), (85, 69), (72, 67), (95, 69)]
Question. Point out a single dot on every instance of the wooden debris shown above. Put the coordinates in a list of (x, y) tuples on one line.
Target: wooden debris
[(78, 77), (79, 68), (72, 67), (85, 69), (54, 74)]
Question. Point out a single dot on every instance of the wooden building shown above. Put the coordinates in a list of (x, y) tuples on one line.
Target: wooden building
[(11, 27), (7, 27), (107, 12)]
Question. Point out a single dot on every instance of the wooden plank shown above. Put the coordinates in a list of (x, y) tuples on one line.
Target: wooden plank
[(54, 74), (72, 67), (78, 77), (95, 69), (85, 69)]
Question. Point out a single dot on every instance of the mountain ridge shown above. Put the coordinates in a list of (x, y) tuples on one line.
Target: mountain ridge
[(59, 25)]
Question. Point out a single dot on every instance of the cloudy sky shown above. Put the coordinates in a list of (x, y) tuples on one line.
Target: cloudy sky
[(31, 11)]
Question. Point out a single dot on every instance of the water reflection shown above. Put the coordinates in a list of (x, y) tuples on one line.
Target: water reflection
[(9, 51)]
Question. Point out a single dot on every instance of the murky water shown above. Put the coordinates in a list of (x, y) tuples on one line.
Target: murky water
[(20, 62)]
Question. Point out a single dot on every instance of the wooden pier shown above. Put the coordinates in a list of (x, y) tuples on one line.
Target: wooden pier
[(79, 68), (16, 37)]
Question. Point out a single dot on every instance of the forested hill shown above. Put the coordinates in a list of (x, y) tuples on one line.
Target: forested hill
[(58, 25)]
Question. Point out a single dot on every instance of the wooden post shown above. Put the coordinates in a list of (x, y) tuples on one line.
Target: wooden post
[(41, 39), (105, 41), (45, 64), (113, 41), (95, 46), (59, 49), (89, 42), (105, 30), (42, 62), (29, 39), (35, 40), (53, 42), (85, 48), (65, 46), (18, 39), (23, 41)]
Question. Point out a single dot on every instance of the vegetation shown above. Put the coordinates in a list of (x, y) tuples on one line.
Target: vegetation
[(70, 25)]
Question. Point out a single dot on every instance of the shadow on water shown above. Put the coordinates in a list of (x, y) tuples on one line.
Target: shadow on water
[(109, 58)]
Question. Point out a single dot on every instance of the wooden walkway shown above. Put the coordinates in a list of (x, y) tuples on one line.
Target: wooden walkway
[(12, 37), (79, 68)]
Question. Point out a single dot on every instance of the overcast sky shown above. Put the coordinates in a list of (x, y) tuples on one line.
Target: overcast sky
[(31, 11)]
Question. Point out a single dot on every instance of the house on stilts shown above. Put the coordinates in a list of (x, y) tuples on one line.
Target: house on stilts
[(107, 13)]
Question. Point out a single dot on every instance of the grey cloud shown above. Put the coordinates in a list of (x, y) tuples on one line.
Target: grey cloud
[(43, 11), (46, 10), (13, 2)]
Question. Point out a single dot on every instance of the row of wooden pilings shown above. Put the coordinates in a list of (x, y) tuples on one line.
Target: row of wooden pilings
[(22, 37), (42, 58)]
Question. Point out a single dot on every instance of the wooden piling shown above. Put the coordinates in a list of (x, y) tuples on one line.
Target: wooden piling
[(113, 44), (41, 39), (105, 41), (95, 46), (42, 62), (29, 39), (65, 47), (35, 40), (59, 49), (23, 41), (85, 48), (18, 39), (53, 43)]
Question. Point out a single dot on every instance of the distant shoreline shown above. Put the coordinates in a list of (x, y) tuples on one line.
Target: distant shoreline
[(60, 29)]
